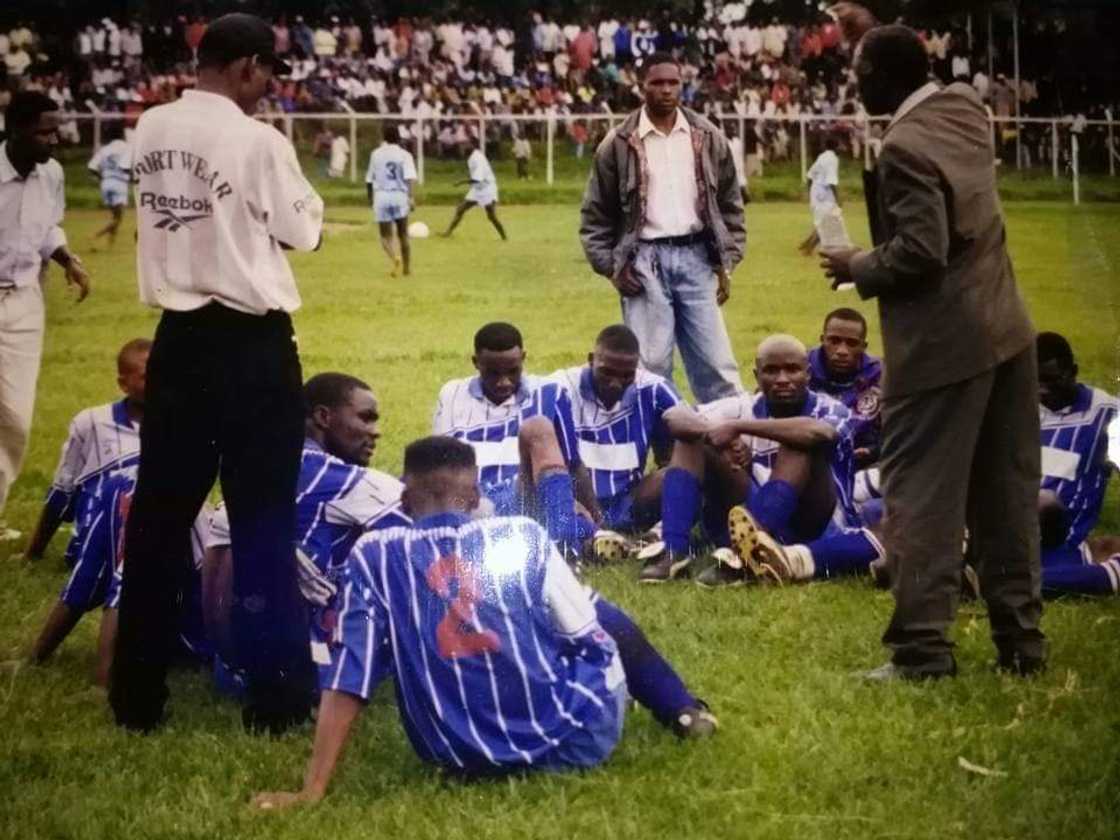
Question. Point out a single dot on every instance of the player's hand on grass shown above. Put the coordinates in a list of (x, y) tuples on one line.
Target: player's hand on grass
[(837, 265), (627, 283), (281, 800), (723, 291), (76, 275)]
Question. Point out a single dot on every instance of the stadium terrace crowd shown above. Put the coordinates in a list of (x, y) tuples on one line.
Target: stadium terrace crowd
[(733, 63)]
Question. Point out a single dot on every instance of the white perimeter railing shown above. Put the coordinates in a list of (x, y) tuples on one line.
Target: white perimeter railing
[(480, 123)]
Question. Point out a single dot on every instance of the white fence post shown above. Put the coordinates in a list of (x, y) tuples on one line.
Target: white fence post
[(96, 124), (1076, 168), (420, 150), (549, 133), (1111, 148), (353, 147), (804, 149), (482, 134), (1054, 153)]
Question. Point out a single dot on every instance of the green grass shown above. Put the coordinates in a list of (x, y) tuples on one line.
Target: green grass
[(805, 749)]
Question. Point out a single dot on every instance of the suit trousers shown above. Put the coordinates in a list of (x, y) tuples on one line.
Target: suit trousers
[(21, 350), (963, 454), (223, 400)]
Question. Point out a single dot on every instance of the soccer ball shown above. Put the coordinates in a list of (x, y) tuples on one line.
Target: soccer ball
[(419, 230)]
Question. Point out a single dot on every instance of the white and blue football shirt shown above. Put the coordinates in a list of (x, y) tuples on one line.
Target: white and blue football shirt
[(495, 649), (463, 411), (614, 442), (113, 163), (1075, 463), (391, 168), (764, 451), (102, 441)]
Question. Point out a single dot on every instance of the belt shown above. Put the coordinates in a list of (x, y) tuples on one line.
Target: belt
[(697, 238)]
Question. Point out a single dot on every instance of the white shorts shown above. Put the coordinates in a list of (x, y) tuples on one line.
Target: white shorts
[(483, 194), (114, 194), (390, 206)]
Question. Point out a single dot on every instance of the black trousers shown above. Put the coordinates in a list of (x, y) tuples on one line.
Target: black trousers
[(964, 454), (223, 400)]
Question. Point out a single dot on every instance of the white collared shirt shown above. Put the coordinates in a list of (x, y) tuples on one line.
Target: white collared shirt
[(913, 101), (217, 193), (672, 198), (31, 211)]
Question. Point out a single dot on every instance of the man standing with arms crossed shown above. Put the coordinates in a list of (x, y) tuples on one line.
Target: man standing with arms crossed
[(219, 197), (960, 418), (662, 218), (32, 201)]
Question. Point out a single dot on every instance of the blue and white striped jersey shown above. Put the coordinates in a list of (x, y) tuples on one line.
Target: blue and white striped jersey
[(819, 407), (1075, 463), (464, 412), (391, 168), (336, 503), (495, 648), (102, 441), (113, 163), (614, 442)]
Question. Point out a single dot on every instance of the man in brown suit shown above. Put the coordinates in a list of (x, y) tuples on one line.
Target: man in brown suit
[(960, 418)]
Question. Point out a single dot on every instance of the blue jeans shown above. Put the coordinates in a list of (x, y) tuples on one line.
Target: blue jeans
[(679, 307)]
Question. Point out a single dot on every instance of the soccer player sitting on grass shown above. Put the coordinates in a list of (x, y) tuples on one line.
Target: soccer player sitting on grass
[(1075, 472), (500, 659), (520, 427), (842, 368), (620, 413), (102, 442), (389, 180), (338, 498), (796, 520)]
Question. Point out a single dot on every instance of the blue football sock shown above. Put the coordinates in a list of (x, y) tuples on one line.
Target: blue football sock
[(558, 507), (649, 678), (846, 553), (680, 505), (773, 506), (1082, 578)]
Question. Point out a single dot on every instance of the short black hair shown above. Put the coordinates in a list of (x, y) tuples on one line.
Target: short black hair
[(112, 130), (391, 133), (1052, 346), (656, 59), (330, 389), (618, 338), (25, 109), (845, 313), (437, 452), (832, 142), (895, 51), (497, 336), (131, 348)]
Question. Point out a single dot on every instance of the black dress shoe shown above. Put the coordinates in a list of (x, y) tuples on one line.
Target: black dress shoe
[(1021, 664), (138, 708), (889, 672)]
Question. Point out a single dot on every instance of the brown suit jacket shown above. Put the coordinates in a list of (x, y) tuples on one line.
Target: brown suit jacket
[(949, 306)]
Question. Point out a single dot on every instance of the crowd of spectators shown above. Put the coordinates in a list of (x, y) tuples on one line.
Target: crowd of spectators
[(732, 63)]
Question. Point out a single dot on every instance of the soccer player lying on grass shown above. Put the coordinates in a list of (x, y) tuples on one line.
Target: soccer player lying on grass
[(1075, 472), (338, 498), (520, 427), (500, 659), (620, 413), (796, 520), (102, 442)]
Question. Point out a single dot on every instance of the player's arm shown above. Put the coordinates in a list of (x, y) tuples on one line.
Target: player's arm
[(583, 488), (600, 214), (795, 432), (730, 200), (685, 423), (58, 506), (52, 515), (292, 209)]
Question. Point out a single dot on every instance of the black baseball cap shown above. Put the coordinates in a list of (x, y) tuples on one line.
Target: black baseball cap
[(239, 35)]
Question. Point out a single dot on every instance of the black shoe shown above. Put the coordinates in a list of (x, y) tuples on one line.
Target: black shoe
[(890, 672), (274, 718), (1021, 664), (664, 566), (138, 708), (695, 722), (728, 570)]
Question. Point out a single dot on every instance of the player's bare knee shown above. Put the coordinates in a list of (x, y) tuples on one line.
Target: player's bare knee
[(688, 455)]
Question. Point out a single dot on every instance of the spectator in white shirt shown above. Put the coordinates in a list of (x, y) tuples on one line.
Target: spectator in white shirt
[(32, 201)]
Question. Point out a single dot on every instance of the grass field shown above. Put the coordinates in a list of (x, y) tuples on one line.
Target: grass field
[(805, 751)]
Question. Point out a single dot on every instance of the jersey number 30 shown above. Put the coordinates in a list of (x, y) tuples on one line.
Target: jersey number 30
[(456, 635)]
